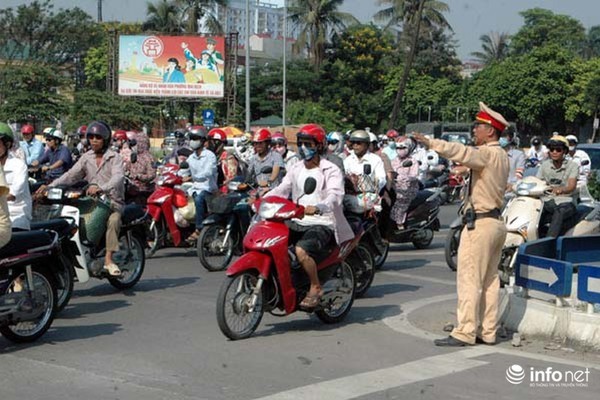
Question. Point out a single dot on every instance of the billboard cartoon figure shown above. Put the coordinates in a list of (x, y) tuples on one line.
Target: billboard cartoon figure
[(173, 72)]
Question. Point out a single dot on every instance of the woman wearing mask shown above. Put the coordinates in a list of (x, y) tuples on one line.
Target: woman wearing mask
[(406, 183), (140, 168), (279, 143)]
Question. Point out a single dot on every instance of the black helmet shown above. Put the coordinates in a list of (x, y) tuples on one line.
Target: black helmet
[(102, 129)]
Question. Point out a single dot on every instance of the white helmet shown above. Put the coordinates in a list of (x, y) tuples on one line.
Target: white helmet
[(55, 133), (372, 137), (572, 138)]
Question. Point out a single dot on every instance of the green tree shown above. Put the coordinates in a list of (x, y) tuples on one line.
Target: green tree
[(34, 32), (315, 20), (302, 112), (436, 55), (196, 10), (355, 75), (30, 93), (494, 47), (592, 43), (163, 17), (579, 104), (401, 13), (543, 27)]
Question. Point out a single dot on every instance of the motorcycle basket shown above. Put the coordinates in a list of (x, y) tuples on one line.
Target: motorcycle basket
[(94, 217), (222, 204)]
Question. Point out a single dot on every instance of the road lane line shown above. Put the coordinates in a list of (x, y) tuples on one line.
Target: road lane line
[(401, 252), (358, 385), (419, 278)]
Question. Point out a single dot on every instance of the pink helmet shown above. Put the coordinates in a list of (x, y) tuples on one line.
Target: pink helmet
[(279, 138)]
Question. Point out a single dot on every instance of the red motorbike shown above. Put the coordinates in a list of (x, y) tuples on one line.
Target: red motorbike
[(167, 206), (268, 276), (456, 183)]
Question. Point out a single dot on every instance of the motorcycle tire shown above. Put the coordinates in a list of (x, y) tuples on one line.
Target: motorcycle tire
[(505, 270), (154, 236), (65, 278), (425, 242), (211, 236), (44, 289), (451, 247), (364, 270), (345, 275), (378, 261), (135, 262), (232, 310)]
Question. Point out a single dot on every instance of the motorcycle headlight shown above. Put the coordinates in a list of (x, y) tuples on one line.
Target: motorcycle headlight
[(524, 188), (268, 210), (54, 194)]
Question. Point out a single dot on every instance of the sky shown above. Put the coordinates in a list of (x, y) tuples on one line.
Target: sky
[(469, 18)]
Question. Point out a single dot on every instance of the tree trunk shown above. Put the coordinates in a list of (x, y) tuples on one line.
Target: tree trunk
[(191, 113), (407, 65)]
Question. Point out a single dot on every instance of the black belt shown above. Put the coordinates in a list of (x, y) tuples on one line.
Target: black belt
[(495, 213)]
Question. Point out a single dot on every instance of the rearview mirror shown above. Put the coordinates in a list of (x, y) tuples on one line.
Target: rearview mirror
[(133, 158), (310, 185), (367, 169), (585, 162), (266, 170), (184, 165), (407, 163)]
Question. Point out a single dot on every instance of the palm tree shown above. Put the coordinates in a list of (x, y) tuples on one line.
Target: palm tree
[(401, 12), (196, 10), (495, 47), (162, 17), (317, 20)]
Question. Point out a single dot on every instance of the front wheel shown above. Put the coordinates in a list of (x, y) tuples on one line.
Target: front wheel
[(337, 307), (154, 236), (451, 247), (364, 272), (379, 260), (43, 303), (65, 278), (131, 261), (215, 247), (505, 269), (239, 308), (423, 238)]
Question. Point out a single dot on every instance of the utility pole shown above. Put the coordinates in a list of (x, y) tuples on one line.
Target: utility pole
[(284, 62), (99, 10), (247, 46)]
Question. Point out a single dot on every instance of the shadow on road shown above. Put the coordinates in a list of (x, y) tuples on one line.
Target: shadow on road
[(144, 285), (379, 291), (78, 310), (401, 265)]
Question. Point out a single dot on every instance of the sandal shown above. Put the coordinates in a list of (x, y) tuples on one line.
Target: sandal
[(112, 269), (311, 300), (193, 237)]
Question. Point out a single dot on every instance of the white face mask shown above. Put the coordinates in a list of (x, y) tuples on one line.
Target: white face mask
[(571, 148), (195, 144)]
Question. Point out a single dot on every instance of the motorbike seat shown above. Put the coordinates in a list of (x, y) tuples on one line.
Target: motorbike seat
[(420, 198), (132, 212), (59, 225), (26, 242)]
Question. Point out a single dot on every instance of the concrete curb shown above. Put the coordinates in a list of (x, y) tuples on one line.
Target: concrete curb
[(535, 317)]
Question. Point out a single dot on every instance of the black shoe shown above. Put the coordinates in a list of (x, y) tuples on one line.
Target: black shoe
[(479, 340), (450, 341)]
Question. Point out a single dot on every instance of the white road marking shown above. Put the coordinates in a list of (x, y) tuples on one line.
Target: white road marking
[(382, 379), (419, 278), (402, 253)]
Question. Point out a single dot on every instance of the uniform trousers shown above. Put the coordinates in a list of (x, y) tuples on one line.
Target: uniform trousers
[(478, 284)]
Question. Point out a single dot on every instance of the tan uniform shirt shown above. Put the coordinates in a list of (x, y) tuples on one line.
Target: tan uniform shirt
[(489, 170), (5, 226)]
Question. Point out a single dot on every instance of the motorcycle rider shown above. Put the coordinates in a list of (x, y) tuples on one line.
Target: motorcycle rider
[(142, 171), (335, 145), (406, 183), (102, 168), (323, 220), (203, 168), (280, 145), (243, 149), (537, 150), (229, 166), (15, 173), (580, 157), (560, 173), (264, 157), (32, 147), (354, 163), (390, 149), (56, 160), (516, 157)]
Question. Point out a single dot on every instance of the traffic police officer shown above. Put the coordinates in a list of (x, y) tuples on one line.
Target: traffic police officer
[(484, 233)]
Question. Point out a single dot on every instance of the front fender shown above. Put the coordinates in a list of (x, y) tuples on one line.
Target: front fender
[(213, 219), (260, 262)]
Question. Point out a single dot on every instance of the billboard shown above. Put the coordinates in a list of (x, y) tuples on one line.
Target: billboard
[(171, 66)]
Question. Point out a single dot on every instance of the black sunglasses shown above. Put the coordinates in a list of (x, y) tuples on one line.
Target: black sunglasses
[(555, 149), (96, 137), (333, 141)]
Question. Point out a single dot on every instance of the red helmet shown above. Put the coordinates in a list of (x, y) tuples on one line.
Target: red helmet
[(27, 129), (392, 134), (197, 131), (261, 135), (131, 135), (120, 134), (279, 137), (81, 130), (217, 134), (314, 132)]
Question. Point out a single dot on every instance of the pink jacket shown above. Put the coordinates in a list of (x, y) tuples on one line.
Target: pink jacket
[(333, 186)]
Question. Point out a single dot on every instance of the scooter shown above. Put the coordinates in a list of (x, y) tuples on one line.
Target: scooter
[(27, 285), (267, 276), (91, 215), (523, 216), (224, 228)]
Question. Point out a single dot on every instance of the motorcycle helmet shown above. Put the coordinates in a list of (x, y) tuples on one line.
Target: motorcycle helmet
[(101, 129), (55, 134), (536, 141), (360, 136), (392, 134), (197, 132), (279, 138), (572, 139), (314, 132), (558, 141), (218, 134), (6, 135), (27, 129), (333, 138), (81, 131), (261, 135)]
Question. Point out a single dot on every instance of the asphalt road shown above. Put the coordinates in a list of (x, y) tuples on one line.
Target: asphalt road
[(161, 341)]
